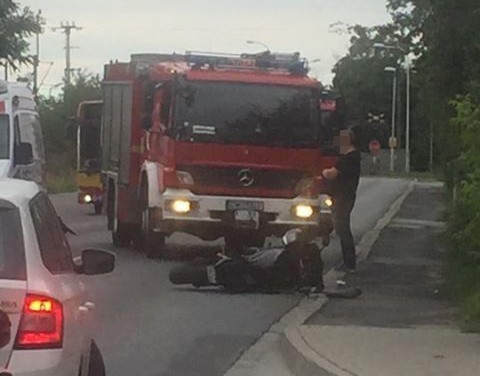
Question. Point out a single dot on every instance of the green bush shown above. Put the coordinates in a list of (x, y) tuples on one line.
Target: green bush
[(463, 270)]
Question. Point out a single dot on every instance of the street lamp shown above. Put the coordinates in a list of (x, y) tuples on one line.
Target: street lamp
[(260, 43), (407, 121), (392, 142)]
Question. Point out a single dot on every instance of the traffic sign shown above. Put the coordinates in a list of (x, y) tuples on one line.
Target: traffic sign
[(374, 147)]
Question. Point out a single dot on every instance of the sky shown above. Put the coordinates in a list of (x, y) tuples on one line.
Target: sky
[(114, 29)]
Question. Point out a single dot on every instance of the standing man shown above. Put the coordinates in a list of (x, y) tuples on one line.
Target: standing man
[(345, 176)]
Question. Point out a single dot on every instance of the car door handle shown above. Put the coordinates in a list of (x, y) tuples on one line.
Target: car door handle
[(89, 305)]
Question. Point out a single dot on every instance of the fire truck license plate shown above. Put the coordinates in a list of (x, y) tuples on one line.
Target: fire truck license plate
[(247, 219), (256, 206)]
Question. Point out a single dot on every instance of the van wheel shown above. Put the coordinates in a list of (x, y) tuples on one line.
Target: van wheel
[(96, 365)]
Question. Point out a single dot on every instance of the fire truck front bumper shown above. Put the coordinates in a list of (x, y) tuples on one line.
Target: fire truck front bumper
[(209, 217)]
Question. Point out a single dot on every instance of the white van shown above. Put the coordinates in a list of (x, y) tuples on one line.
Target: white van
[(21, 142)]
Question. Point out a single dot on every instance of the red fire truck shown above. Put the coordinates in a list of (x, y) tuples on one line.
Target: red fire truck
[(214, 145)]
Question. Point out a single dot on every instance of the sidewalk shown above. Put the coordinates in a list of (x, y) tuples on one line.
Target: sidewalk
[(402, 324)]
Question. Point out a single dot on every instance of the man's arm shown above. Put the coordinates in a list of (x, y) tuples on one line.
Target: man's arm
[(330, 173)]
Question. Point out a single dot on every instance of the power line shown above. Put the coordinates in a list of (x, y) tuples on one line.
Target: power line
[(67, 28)]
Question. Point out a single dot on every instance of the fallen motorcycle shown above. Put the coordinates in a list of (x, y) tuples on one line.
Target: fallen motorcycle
[(297, 264)]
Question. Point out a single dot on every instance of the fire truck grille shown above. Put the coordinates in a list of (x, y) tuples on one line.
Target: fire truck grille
[(244, 178)]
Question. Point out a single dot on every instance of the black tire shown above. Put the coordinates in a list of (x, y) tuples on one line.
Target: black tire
[(98, 206), (96, 365), (195, 275), (151, 242), (122, 236)]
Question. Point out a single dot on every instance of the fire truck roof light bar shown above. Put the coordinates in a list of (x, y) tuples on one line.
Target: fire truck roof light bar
[(265, 60)]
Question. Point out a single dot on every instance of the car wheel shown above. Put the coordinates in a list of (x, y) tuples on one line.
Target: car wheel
[(96, 365)]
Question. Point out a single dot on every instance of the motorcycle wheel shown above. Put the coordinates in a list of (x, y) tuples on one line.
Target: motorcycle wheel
[(189, 274)]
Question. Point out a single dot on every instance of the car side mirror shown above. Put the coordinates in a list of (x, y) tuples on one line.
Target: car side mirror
[(95, 262), (23, 153)]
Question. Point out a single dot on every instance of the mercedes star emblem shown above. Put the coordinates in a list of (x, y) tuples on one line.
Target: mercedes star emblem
[(246, 178)]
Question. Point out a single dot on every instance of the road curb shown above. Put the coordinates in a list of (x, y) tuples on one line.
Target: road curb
[(302, 359)]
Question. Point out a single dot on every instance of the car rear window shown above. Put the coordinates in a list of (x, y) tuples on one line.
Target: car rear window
[(54, 248), (12, 251)]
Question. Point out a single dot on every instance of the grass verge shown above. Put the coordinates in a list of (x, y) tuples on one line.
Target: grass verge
[(463, 286), (61, 181)]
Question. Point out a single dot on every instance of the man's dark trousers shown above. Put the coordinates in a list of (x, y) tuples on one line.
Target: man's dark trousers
[(343, 209)]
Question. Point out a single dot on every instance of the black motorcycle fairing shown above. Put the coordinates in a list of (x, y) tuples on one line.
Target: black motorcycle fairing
[(234, 275)]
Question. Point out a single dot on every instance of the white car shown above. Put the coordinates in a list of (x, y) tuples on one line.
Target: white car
[(45, 319)]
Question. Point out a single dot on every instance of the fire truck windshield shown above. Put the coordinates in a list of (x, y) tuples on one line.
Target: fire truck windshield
[(271, 115), (4, 137)]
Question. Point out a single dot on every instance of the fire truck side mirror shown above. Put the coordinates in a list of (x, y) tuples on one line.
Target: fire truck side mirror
[(146, 122)]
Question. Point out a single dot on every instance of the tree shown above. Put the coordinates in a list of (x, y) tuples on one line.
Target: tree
[(362, 83), (16, 25), (57, 116), (449, 44)]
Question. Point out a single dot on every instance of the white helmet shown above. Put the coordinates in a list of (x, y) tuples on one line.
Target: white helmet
[(291, 236)]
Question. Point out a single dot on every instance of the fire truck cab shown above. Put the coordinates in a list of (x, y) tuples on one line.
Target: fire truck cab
[(21, 141), (214, 145)]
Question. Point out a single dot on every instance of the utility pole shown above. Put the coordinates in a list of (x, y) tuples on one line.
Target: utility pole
[(392, 142), (67, 28), (36, 58), (407, 122), (408, 69)]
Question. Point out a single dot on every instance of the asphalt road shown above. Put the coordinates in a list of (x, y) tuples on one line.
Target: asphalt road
[(145, 326)]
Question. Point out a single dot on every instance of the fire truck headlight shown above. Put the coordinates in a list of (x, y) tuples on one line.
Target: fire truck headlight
[(181, 206), (303, 211), (87, 199)]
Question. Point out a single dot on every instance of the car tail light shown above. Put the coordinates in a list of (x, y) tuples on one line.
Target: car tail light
[(41, 325)]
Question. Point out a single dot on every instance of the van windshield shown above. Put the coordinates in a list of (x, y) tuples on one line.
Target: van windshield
[(4, 137)]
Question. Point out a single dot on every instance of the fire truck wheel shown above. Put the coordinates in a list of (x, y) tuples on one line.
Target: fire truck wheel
[(122, 236), (153, 242)]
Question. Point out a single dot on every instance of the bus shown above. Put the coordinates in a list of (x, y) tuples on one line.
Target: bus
[(89, 179)]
